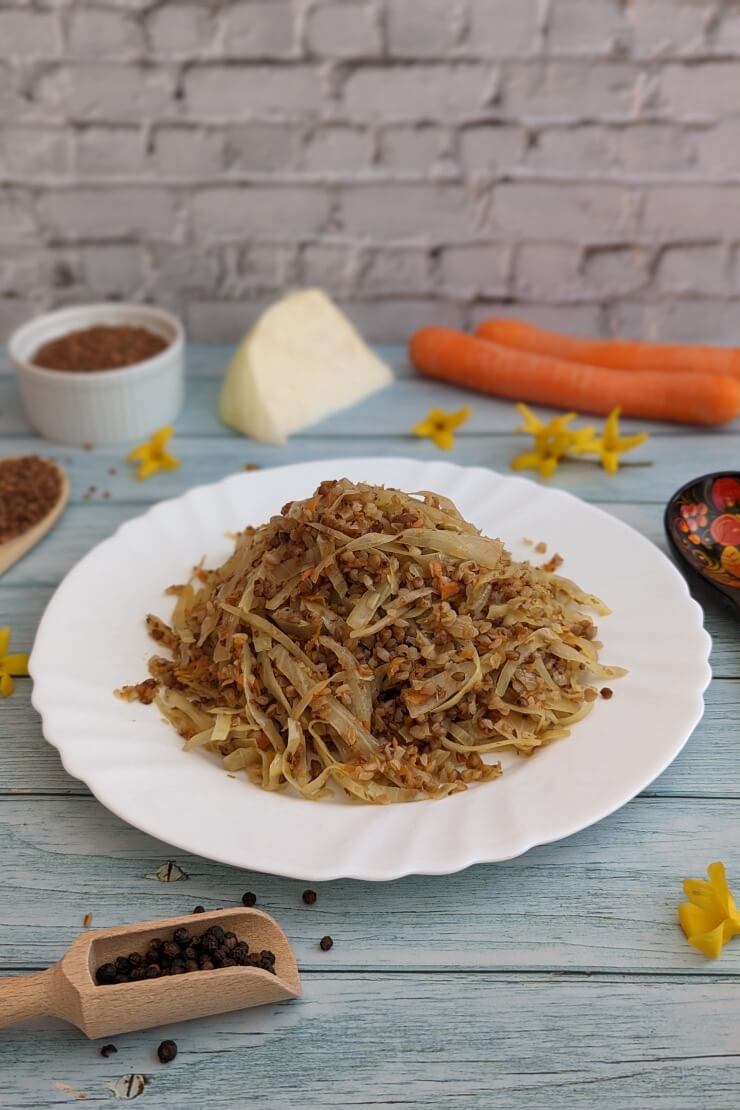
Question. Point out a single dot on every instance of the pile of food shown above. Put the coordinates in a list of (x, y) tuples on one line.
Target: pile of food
[(182, 953), (374, 640), (101, 347), (30, 487)]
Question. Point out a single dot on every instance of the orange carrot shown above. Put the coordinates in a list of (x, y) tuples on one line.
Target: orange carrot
[(475, 363), (614, 354)]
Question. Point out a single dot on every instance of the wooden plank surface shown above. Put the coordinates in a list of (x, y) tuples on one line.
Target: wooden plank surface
[(490, 1042), (560, 979), (680, 458), (602, 900), (390, 413), (395, 409)]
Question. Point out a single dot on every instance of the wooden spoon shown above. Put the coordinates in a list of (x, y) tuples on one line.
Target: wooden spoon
[(13, 550), (68, 989)]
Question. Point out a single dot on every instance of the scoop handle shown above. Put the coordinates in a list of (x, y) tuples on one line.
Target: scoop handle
[(25, 996)]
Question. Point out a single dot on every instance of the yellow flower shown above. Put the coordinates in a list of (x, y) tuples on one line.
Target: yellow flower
[(551, 442), (152, 456), (610, 445), (440, 426), (11, 666), (710, 917)]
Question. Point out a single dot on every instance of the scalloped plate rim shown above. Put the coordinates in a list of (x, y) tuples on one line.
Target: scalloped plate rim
[(363, 869)]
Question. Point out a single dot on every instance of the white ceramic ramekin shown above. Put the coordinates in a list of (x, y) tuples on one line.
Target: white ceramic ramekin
[(105, 406)]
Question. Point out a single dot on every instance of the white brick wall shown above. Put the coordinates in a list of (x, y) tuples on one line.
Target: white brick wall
[(573, 161)]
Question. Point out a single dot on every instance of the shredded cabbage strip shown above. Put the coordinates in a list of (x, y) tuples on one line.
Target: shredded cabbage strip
[(374, 641)]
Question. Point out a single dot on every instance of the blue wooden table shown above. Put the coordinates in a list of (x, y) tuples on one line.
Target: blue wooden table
[(556, 980)]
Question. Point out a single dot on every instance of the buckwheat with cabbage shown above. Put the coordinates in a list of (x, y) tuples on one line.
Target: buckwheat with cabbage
[(374, 641)]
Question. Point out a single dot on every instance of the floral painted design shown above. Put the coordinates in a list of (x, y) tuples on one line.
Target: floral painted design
[(730, 561), (725, 529), (708, 528), (694, 515), (726, 493)]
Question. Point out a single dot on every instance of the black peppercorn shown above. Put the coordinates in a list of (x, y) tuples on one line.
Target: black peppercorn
[(325, 944), (108, 1050), (167, 1052), (106, 973), (249, 899), (199, 909), (309, 897), (185, 953)]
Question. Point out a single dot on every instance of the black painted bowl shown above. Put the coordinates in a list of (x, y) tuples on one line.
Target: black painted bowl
[(702, 522)]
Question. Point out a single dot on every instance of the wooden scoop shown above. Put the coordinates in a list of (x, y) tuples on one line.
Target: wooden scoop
[(13, 550), (68, 989)]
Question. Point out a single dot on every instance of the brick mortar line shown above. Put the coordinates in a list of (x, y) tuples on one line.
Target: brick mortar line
[(15, 248), (480, 303), (676, 178), (694, 123), (153, 58), (618, 122), (473, 180), (334, 110), (584, 250), (351, 240), (420, 244)]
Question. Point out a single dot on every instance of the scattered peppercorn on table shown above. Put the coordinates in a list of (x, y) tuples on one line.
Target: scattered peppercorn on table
[(558, 979)]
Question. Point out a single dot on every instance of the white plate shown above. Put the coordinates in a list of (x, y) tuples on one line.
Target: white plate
[(92, 639)]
